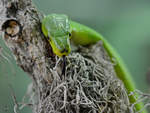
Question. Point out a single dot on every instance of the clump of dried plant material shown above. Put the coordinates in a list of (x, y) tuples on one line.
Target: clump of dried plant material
[(86, 88), (89, 85)]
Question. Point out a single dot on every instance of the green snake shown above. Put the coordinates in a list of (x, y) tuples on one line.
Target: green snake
[(59, 30)]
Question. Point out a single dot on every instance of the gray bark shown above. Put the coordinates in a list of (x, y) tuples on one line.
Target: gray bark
[(90, 83)]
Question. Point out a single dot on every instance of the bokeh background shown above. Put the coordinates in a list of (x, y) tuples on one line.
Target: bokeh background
[(124, 23)]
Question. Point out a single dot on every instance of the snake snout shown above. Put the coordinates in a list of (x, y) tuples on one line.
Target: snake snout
[(64, 51)]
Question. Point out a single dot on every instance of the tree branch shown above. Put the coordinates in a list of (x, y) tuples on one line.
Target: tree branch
[(90, 83)]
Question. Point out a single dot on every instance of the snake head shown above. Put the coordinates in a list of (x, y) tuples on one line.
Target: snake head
[(56, 28)]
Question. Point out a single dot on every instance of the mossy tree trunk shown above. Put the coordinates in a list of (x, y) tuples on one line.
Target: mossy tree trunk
[(90, 83)]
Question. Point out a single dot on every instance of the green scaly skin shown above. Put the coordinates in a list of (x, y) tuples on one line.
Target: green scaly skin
[(84, 35), (57, 29)]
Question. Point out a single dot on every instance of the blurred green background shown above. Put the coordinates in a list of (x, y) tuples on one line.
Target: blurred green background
[(125, 24)]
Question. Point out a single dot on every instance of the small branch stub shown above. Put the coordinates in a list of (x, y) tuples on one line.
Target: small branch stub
[(12, 28)]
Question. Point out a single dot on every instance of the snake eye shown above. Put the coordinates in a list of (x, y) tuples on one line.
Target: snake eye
[(70, 35)]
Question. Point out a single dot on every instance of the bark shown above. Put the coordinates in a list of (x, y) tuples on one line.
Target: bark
[(90, 83)]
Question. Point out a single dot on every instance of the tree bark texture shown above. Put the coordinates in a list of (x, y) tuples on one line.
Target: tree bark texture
[(90, 83)]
